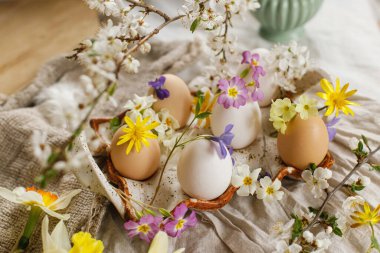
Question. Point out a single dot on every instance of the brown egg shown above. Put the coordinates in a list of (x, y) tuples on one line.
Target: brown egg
[(137, 166), (179, 102), (304, 142)]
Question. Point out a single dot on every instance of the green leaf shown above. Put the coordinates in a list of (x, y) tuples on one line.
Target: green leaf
[(375, 243), (297, 227), (165, 212), (195, 24), (52, 157), (356, 187), (115, 124), (375, 167), (365, 140), (149, 211), (336, 230), (111, 89), (312, 167), (203, 115), (244, 73), (360, 146), (139, 214)]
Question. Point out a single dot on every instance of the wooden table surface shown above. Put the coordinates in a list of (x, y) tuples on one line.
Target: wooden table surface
[(34, 31)]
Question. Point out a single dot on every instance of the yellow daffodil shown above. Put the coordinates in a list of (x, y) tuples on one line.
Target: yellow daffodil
[(367, 216), (336, 100), (47, 201), (83, 242), (58, 241), (160, 244), (306, 107), (137, 133)]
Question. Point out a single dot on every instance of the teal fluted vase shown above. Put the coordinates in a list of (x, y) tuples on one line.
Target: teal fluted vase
[(283, 20)]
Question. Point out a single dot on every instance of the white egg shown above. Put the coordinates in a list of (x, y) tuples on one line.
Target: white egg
[(267, 85), (246, 120), (202, 173)]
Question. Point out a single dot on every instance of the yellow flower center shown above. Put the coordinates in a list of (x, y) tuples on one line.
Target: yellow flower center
[(247, 181), (47, 197), (138, 106), (306, 107), (232, 92), (255, 63), (168, 121), (270, 190), (144, 228), (180, 224)]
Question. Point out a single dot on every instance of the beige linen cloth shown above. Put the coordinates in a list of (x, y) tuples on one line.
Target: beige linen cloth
[(241, 226)]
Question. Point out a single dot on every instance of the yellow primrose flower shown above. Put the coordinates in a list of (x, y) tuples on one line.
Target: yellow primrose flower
[(58, 241), (279, 124), (366, 217), (137, 133), (84, 243), (47, 201), (160, 244), (306, 107), (336, 100), (283, 108)]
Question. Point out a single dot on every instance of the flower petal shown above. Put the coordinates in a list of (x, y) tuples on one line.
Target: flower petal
[(55, 214), (64, 200)]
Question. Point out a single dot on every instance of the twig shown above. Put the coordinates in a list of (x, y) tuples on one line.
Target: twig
[(340, 185), (149, 8)]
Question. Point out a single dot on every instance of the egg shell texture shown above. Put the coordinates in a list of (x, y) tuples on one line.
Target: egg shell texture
[(179, 102), (136, 165), (304, 142), (201, 172)]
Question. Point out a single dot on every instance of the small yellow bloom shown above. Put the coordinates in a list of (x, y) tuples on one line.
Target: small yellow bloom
[(336, 100), (207, 105), (84, 243), (306, 107), (283, 108), (366, 217), (137, 133)]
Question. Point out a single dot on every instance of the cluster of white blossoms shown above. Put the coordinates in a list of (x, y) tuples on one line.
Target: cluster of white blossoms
[(248, 184), (316, 180), (289, 63), (142, 106), (286, 241)]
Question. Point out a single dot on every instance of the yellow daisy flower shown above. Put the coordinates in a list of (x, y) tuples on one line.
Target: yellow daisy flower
[(336, 100), (366, 217), (137, 133)]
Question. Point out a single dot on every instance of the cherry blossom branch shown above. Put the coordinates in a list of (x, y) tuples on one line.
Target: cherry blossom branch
[(339, 186), (149, 8)]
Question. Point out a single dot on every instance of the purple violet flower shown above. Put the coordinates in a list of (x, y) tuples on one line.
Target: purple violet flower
[(234, 92), (224, 141), (157, 85), (147, 227), (330, 129), (253, 61), (175, 225)]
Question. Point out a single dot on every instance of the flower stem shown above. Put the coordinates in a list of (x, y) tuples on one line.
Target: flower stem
[(322, 108), (33, 219), (169, 156), (340, 185)]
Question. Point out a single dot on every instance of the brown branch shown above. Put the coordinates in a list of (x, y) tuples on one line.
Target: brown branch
[(340, 185), (149, 8)]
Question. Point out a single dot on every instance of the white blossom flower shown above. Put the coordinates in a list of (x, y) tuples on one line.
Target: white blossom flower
[(245, 179), (308, 236), (365, 181), (131, 65), (317, 181), (323, 240), (75, 160), (167, 119), (342, 222), (352, 204), (138, 103), (268, 190), (283, 247), (281, 231), (108, 7), (309, 216), (41, 148), (145, 48), (306, 107), (47, 201), (353, 144)]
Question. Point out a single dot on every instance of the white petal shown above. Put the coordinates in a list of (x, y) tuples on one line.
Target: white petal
[(237, 181), (243, 191), (160, 243), (255, 174), (278, 195), (55, 214), (46, 239), (9, 195), (307, 176), (243, 170), (31, 197), (260, 193), (265, 182), (63, 201), (252, 188), (181, 250), (60, 236), (276, 184)]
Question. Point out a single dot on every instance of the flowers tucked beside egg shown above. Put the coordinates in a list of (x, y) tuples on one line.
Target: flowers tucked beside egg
[(135, 152), (202, 173), (174, 95), (252, 71), (246, 121)]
